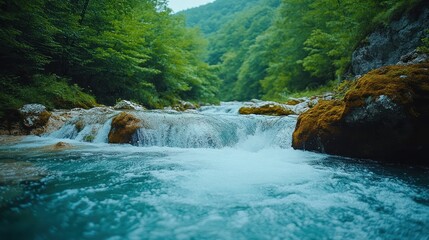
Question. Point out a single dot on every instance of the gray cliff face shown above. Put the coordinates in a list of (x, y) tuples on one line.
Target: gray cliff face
[(386, 45)]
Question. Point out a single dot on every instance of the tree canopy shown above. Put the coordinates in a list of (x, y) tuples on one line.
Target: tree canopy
[(126, 49), (272, 48)]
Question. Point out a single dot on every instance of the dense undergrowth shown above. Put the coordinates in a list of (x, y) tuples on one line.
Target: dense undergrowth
[(51, 91)]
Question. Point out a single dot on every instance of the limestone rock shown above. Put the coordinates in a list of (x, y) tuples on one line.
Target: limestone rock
[(383, 117), (124, 126)]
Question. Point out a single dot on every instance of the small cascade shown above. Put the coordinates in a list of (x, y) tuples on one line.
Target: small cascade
[(91, 125), (210, 127)]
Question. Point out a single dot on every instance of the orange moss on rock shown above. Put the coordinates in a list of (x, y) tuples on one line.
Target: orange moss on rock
[(384, 116), (123, 127), (321, 119), (403, 84), (293, 102), (268, 109)]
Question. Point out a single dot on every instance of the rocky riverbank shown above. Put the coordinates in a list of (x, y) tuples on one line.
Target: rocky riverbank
[(383, 117)]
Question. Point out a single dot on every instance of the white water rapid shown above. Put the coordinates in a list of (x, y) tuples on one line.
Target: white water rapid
[(210, 127), (207, 174)]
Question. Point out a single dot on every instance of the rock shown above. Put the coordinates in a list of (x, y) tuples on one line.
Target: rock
[(127, 105), (301, 107), (413, 57), (383, 117), (294, 101), (60, 146), (274, 109), (124, 126), (34, 115), (386, 45), (183, 106)]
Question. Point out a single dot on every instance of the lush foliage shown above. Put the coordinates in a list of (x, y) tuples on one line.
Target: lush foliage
[(126, 49), (274, 49), (425, 44), (211, 17), (49, 90)]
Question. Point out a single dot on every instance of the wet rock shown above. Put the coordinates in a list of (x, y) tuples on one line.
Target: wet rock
[(271, 108), (183, 106), (294, 101), (301, 107), (383, 117), (124, 126), (127, 105), (60, 146), (34, 115)]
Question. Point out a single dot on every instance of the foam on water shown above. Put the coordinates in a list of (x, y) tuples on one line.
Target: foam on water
[(252, 187), (210, 127)]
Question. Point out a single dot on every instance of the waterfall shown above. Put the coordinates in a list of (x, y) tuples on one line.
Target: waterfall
[(210, 127)]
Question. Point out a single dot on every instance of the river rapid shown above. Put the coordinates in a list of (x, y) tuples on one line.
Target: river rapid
[(206, 174)]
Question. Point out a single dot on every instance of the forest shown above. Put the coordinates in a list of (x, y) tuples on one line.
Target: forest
[(270, 49), (78, 53), (81, 53)]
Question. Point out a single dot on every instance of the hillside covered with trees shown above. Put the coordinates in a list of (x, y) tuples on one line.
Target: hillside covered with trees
[(274, 48), (80, 53), (65, 53)]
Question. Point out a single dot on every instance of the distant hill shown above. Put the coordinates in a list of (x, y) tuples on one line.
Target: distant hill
[(231, 28), (270, 49), (211, 17)]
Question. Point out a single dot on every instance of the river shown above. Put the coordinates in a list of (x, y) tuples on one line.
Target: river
[(207, 174)]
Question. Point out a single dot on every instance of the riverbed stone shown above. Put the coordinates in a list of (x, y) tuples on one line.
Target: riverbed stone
[(34, 115), (272, 108), (127, 105), (124, 126), (383, 117), (184, 105)]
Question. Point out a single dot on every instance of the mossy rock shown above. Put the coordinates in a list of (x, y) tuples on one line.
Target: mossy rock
[(293, 102), (124, 126), (384, 116), (267, 109)]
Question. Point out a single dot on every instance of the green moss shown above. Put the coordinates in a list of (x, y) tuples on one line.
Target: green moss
[(49, 90), (89, 138)]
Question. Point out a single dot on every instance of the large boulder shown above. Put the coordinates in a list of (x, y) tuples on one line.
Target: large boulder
[(124, 126), (384, 116)]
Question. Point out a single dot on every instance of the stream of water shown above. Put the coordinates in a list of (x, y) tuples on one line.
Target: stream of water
[(208, 174)]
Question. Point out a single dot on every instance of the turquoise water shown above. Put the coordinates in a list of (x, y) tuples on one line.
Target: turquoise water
[(101, 191), (207, 174)]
